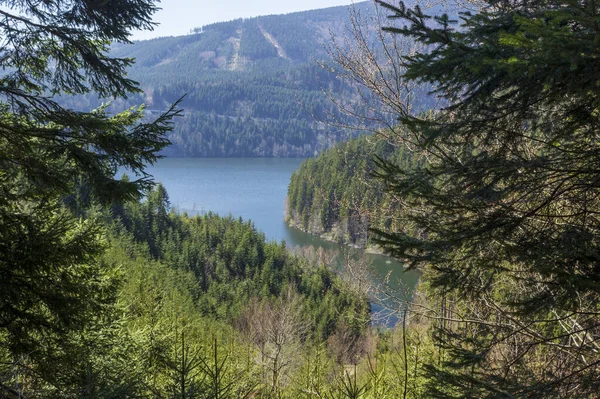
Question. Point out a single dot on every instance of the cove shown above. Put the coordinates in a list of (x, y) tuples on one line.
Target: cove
[(255, 189)]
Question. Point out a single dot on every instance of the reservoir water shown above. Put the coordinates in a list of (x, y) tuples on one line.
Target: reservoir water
[(255, 189)]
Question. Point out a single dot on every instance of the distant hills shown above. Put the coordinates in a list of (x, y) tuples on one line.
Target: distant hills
[(253, 87)]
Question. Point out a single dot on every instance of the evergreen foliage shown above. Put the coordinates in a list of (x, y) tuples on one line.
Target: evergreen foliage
[(506, 205), (253, 86), (171, 294), (495, 200), (52, 285), (335, 195), (104, 296), (232, 263)]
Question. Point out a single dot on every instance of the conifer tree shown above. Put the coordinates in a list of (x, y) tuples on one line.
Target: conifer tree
[(50, 281), (503, 215)]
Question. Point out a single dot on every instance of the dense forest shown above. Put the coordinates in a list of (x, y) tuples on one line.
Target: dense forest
[(232, 264), (107, 293), (336, 196), (252, 87), (202, 306), (500, 210), (184, 297), (257, 87)]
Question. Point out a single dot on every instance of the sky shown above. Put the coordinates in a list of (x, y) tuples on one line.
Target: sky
[(179, 17)]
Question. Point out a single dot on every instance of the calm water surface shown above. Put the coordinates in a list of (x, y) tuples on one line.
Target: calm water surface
[(251, 188), (255, 189)]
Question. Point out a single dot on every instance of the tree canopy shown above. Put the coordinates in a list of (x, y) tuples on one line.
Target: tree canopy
[(50, 277), (506, 204)]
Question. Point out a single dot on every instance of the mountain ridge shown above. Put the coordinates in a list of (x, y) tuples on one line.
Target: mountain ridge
[(253, 85)]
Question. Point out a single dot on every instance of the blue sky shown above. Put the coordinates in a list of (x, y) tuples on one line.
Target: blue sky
[(178, 17)]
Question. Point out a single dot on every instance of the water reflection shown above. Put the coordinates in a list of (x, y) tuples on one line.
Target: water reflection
[(389, 285)]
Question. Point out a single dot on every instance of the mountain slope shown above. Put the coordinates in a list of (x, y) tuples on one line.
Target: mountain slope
[(253, 86)]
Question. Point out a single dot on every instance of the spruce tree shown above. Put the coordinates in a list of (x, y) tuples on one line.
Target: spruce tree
[(502, 216), (51, 283)]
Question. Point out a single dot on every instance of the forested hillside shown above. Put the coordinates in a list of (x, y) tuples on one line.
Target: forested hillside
[(232, 264), (253, 86), (181, 298), (493, 195), (501, 214), (336, 196), (104, 295), (505, 205)]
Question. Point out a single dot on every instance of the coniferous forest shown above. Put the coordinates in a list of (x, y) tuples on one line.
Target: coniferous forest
[(257, 87), (335, 195), (253, 87), (496, 204), (492, 193)]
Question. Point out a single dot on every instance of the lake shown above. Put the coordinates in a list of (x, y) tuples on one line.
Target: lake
[(255, 189)]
